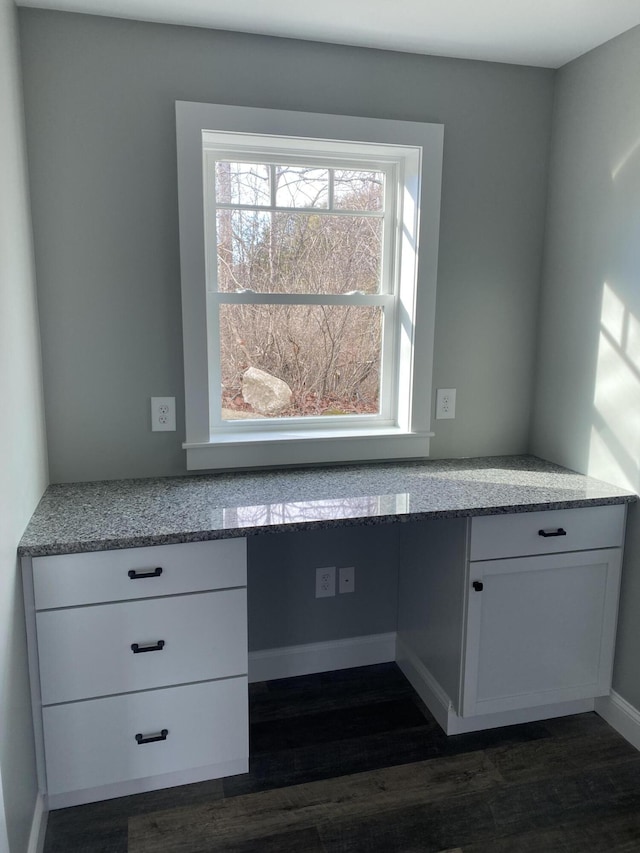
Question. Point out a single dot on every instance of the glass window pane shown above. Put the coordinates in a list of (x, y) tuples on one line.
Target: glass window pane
[(272, 252), (356, 190), (301, 186), (242, 183), (241, 250), (328, 355)]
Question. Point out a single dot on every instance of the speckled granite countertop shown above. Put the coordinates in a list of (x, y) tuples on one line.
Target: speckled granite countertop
[(130, 513)]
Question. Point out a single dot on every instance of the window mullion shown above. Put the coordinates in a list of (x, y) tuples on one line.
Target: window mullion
[(389, 363), (322, 211), (210, 224), (390, 261), (213, 354), (385, 300)]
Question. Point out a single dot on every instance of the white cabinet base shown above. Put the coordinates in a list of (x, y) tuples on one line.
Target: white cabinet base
[(110, 722), (534, 604), (440, 706)]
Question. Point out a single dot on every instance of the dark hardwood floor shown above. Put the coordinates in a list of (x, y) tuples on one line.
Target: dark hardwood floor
[(351, 761)]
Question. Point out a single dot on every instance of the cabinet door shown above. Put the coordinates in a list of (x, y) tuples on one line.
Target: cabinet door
[(540, 630)]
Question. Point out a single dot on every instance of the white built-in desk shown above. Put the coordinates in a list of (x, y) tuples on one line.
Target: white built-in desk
[(135, 594)]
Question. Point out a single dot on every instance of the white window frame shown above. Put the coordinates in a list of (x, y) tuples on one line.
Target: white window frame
[(412, 153), (311, 153)]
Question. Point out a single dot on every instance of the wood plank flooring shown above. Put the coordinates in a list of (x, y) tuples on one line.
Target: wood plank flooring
[(351, 761)]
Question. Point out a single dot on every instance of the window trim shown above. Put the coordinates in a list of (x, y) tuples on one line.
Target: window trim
[(278, 445)]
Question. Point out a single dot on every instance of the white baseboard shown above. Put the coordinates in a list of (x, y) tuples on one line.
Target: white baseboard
[(289, 661), (38, 825), (621, 715), (425, 685), (437, 701)]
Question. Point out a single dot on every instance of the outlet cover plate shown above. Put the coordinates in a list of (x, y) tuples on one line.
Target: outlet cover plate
[(445, 404), (346, 579), (326, 582), (163, 414)]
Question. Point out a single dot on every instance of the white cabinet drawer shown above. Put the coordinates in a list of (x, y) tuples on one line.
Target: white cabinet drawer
[(521, 534), (73, 579), (91, 744), (86, 651)]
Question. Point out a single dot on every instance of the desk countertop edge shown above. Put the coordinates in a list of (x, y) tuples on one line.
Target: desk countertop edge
[(113, 515)]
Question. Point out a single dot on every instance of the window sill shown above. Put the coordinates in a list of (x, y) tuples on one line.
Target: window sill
[(277, 449)]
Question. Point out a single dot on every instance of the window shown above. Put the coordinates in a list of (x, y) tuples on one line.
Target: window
[(307, 319)]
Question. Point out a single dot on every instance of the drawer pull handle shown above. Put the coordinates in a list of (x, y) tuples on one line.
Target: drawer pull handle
[(478, 586), (140, 739), (137, 649), (546, 533), (138, 576)]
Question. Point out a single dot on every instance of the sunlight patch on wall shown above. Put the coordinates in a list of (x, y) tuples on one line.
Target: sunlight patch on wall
[(613, 315), (625, 159), (614, 450)]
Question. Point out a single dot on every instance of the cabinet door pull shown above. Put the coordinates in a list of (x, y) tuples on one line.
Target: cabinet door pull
[(140, 739), (478, 586), (138, 576), (546, 533), (137, 649)]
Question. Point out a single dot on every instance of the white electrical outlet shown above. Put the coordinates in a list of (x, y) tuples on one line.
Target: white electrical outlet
[(163, 414), (346, 579), (326, 582), (445, 403)]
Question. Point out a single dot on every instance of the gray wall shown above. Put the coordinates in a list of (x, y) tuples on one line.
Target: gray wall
[(23, 462), (283, 610), (100, 118), (587, 409)]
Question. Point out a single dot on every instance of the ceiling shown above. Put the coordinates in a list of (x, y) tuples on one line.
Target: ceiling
[(546, 33)]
